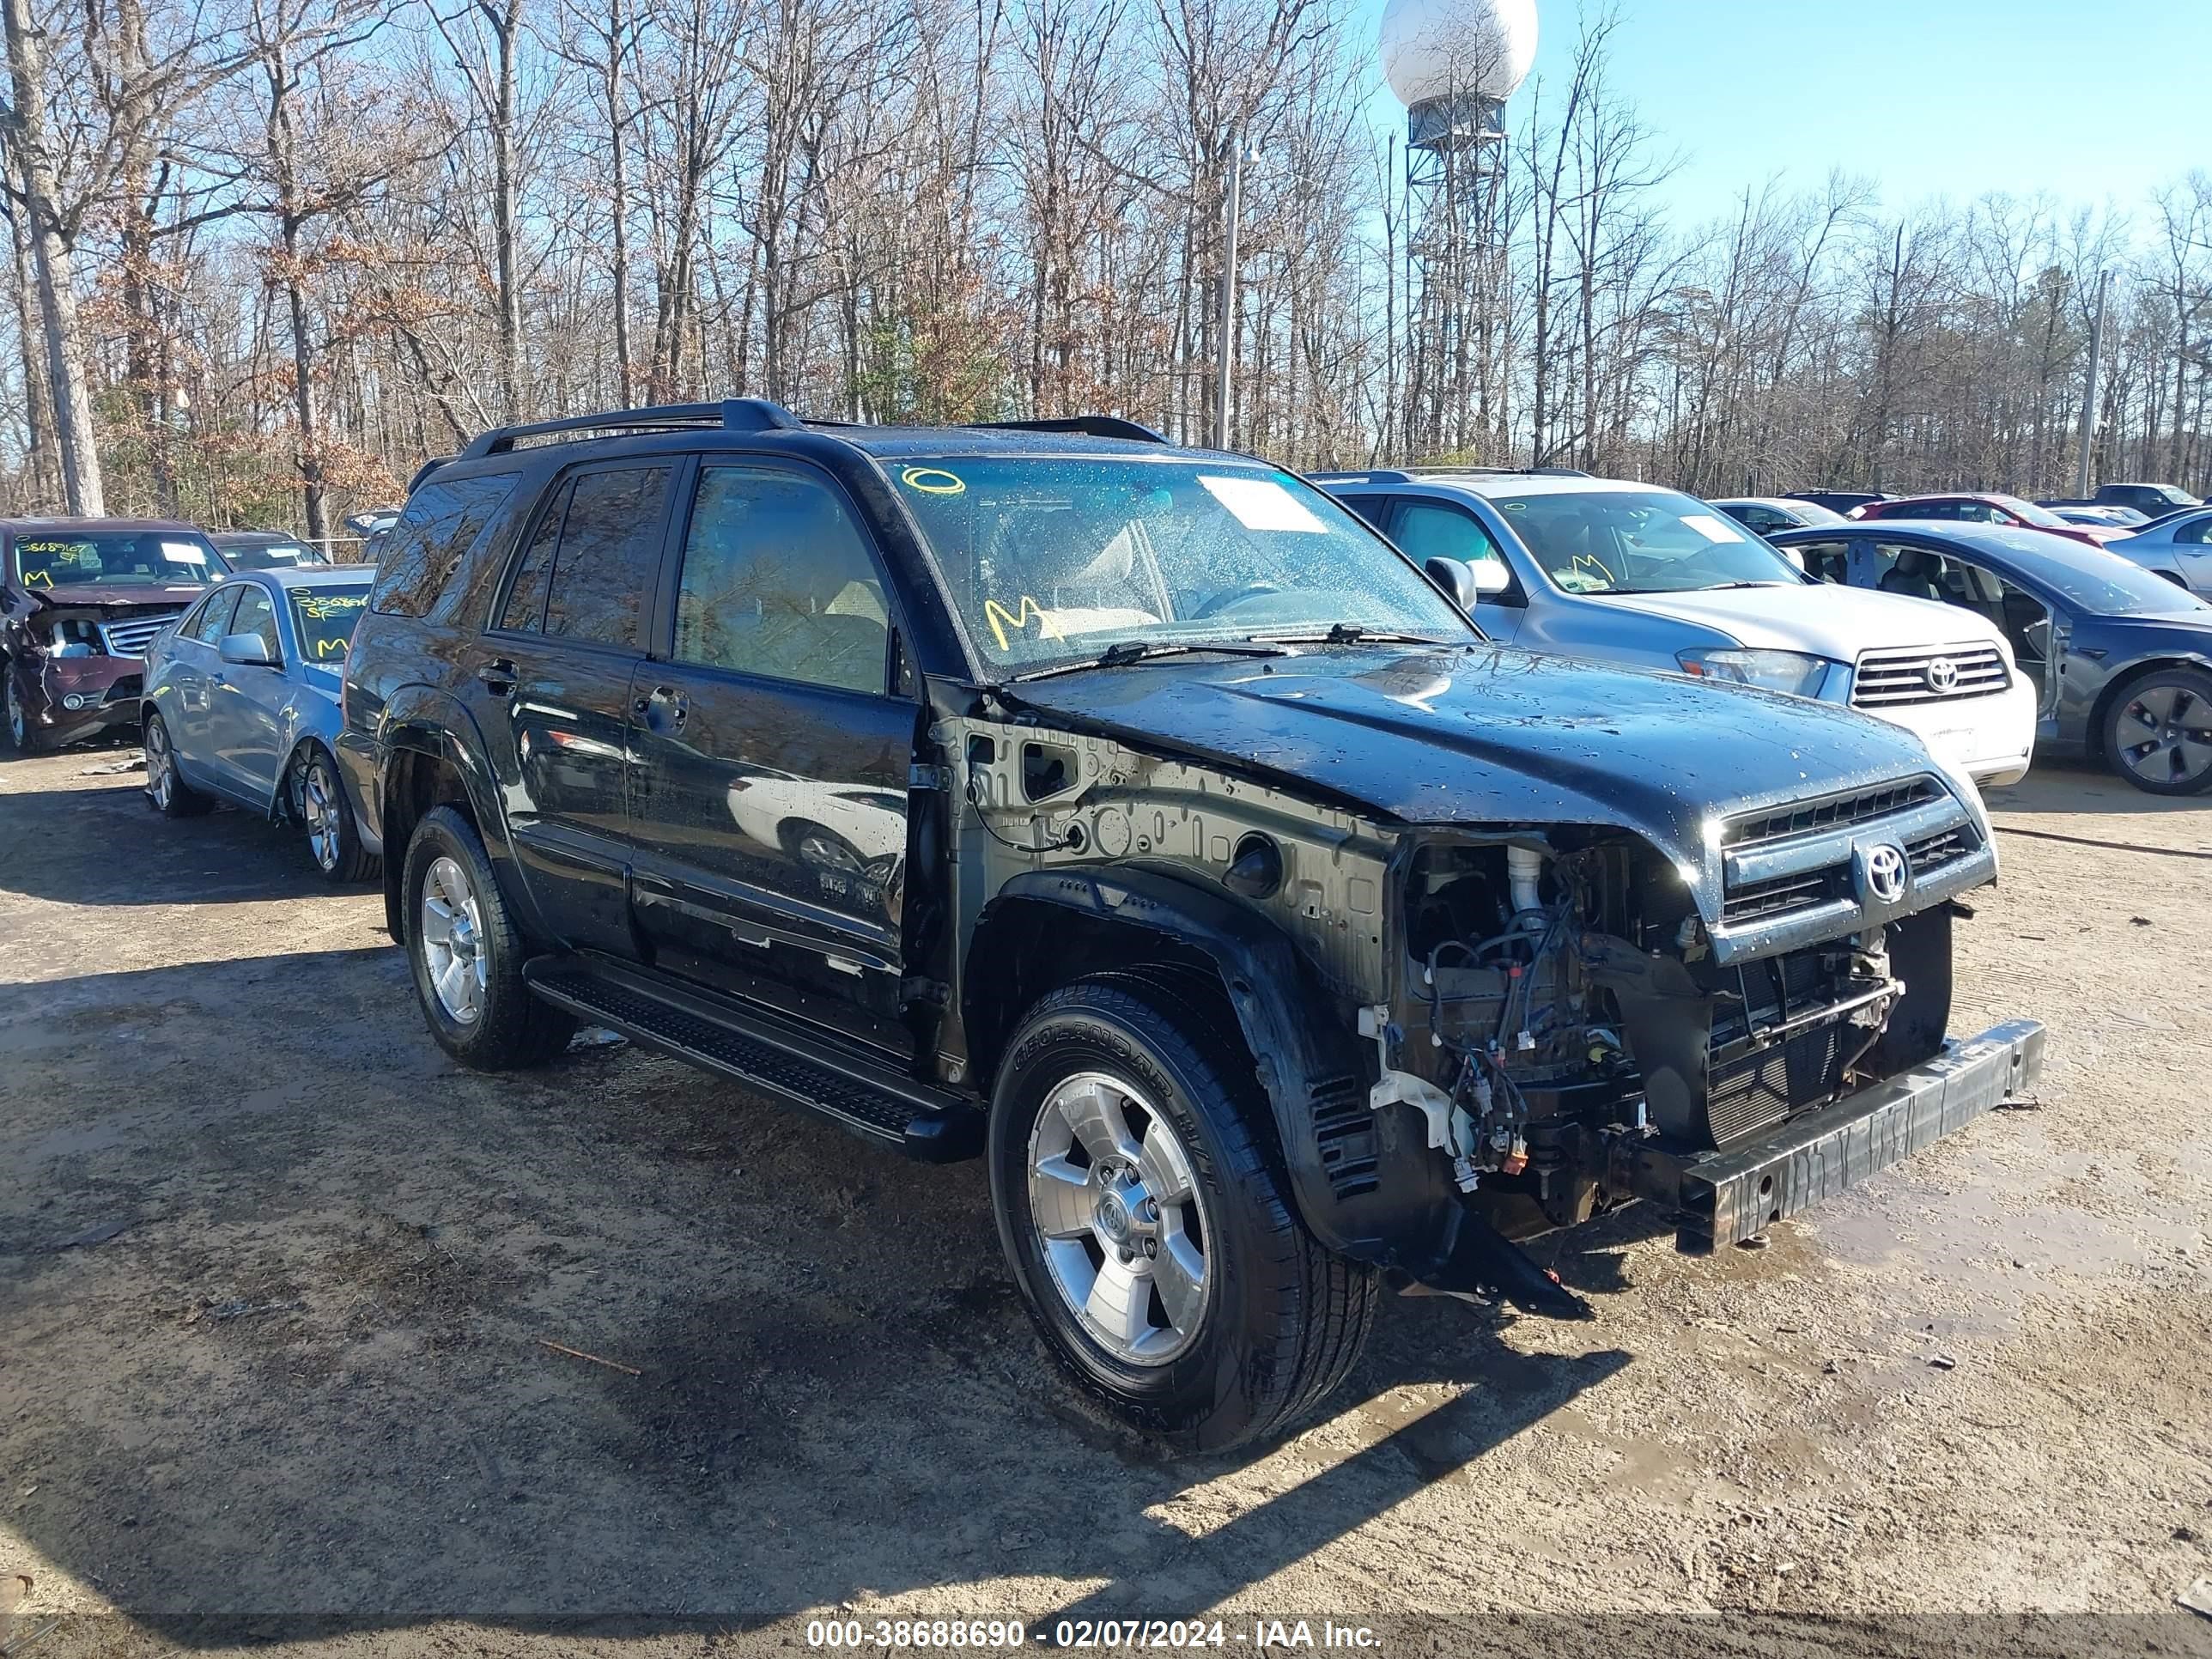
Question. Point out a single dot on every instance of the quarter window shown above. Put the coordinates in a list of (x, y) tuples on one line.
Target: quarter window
[(608, 554), (777, 581), (441, 523)]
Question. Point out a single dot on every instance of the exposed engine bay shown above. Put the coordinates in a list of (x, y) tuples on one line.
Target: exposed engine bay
[(1551, 1002)]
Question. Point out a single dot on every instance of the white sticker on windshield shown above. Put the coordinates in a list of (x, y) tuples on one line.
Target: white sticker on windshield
[(1263, 504), (182, 553), (1712, 529)]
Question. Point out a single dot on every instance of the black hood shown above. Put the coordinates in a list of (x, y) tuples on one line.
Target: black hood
[(1495, 735)]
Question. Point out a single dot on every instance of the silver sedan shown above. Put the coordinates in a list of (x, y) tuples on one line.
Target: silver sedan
[(2178, 548), (241, 705)]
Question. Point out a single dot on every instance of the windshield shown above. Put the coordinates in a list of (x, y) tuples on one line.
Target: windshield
[(115, 558), (2029, 512), (1052, 559), (1638, 541), (325, 617), (267, 555)]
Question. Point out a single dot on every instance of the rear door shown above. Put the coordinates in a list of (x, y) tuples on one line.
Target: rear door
[(567, 634), (770, 797)]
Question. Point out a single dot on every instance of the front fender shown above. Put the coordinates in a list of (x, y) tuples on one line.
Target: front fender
[(1363, 1181)]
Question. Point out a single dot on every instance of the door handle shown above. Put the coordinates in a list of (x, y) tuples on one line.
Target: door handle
[(498, 677)]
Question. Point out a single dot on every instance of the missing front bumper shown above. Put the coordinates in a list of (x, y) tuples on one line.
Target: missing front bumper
[(1723, 1197)]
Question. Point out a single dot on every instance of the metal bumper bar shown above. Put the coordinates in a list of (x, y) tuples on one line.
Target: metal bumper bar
[(1723, 1197)]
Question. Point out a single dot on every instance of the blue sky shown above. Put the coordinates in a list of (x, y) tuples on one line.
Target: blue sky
[(1942, 98)]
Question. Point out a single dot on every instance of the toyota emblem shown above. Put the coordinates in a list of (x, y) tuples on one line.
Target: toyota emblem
[(1942, 675), (1883, 874)]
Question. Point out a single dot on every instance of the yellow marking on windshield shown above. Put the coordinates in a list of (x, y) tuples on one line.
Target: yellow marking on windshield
[(933, 481), (1000, 619), (330, 647), (32, 577), (323, 607)]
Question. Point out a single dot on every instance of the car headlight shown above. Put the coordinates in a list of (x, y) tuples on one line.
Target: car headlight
[(1793, 671)]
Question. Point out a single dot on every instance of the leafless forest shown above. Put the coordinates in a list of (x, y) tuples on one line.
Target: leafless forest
[(270, 254)]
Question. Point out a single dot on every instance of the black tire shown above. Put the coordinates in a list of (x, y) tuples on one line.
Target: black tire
[(1284, 1318), (18, 738), (167, 792), (511, 1028), (2141, 725), (320, 806)]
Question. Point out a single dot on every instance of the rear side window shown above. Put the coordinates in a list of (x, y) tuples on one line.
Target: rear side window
[(608, 555), (442, 522)]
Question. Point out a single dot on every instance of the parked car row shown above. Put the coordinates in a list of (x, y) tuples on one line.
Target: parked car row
[(1143, 821)]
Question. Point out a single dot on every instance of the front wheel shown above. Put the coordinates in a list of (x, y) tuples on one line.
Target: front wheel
[(15, 731), (1149, 1226), (333, 838), (2158, 732), (467, 954)]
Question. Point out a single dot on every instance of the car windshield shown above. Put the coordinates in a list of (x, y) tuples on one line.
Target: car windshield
[(325, 617), (1638, 541), (115, 558), (1052, 559), (2029, 512), (267, 555), (2102, 584)]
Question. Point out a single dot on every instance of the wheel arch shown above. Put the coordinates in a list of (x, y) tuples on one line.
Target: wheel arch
[(1363, 1182), (432, 757), (2117, 681)]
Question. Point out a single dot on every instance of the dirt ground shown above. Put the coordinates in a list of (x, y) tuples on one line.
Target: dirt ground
[(275, 1279)]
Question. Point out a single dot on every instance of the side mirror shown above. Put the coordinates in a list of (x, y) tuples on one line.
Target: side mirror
[(1491, 576), (1456, 578), (247, 651)]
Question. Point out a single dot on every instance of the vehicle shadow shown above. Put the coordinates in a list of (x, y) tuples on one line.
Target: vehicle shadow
[(2077, 787), (144, 859), (283, 1287)]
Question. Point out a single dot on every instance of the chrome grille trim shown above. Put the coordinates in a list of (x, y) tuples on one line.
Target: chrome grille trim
[(1894, 676), (129, 636)]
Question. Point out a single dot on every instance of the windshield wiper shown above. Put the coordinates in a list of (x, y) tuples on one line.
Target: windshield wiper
[(1722, 587), (1123, 653), (1345, 633)]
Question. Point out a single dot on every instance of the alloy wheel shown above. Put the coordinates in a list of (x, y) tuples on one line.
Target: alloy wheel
[(2166, 734), (19, 724), (318, 809), (1118, 1217), (160, 765), (451, 929)]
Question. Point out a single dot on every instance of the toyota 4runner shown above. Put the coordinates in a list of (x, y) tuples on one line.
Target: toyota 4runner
[(1137, 818)]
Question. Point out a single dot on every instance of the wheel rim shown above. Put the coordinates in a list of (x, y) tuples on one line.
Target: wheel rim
[(1118, 1217), (452, 942), (160, 769), (18, 726), (319, 808), (2166, 734)]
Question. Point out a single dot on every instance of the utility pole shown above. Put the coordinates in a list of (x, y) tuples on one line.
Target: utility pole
[(2089, 389), (1225, 375)]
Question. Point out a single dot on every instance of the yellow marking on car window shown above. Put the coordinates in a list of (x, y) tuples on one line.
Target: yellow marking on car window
[(1000, 619), (933, 481), (322, 607)]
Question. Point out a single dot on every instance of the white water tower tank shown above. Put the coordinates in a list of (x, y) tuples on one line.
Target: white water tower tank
[(1468, 51)]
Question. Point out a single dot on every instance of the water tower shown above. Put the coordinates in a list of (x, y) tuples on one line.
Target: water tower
[(1453, 63)]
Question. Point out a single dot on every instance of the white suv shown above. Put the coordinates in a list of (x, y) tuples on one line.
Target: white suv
[(1626, 572)]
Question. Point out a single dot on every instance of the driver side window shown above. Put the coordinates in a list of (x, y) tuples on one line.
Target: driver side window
[(1431, 530)]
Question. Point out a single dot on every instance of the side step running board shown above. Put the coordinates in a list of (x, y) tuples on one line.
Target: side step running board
[(767, 1054)]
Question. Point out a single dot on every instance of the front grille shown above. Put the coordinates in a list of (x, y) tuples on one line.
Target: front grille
[(1829, 812), (1751, 900), (131, 636), (1931, 853), (1893, 678)]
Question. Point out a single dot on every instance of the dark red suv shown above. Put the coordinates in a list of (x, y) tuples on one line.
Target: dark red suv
[(2008, 510), (80, 600)]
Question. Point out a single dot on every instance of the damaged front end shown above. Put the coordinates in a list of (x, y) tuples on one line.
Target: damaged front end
[(1576, 1031)]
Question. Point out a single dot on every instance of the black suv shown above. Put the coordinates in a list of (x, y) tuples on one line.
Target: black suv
[(1140, 819)]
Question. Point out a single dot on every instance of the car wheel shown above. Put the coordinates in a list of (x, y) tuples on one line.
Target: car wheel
[(1147, 1216), (167, 792), (333, 838), (467, 955), (2158, 732), (16, 729)]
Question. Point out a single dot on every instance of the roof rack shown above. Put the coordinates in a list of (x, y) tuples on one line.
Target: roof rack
[(1090, 425), (730, 414)]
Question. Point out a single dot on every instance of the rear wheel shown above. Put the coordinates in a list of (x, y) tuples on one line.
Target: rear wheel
[(167, 792), (467, 955), (2158, 732), (333, 838), (1149, 1230)]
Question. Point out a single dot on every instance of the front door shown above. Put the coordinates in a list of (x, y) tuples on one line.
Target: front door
[(554, 691), (244, 723), (195, 659), (1430, 529), (768, 801)]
